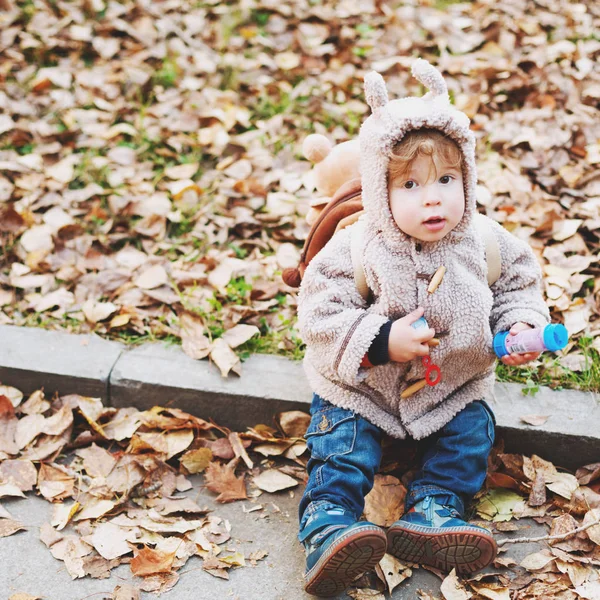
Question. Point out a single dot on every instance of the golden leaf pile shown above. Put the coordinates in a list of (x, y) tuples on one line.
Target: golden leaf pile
[(150, 179)]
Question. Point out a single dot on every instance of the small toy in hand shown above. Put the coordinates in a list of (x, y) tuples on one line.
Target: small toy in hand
[(433, 375), (551, 337)]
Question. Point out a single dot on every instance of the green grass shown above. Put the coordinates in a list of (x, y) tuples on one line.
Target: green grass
[(552, 374)]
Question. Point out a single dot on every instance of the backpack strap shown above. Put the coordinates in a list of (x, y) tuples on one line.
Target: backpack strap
[(492, 248), (357, 232)]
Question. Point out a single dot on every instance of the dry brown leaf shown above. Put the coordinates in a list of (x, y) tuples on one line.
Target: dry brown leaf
[(224, 357), (221, 479), (294, 423), (384, 504), (9, 527), (393, 571), (534, 420), (126, 592), (54, 483), (160, 583), (492, 591), (150, 562), (23, 596), (537, 560), (239, 450), (453, 589), (8, 427), (96, 461), (365, 594), (273, 481), (110, 541), (594, 531), (195, 461), (195, 344), (240, 334), (20, 472)]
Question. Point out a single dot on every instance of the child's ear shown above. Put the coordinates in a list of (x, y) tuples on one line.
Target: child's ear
[(375, 90)]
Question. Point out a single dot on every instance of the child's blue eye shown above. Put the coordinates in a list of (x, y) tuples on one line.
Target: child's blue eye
[(445, 179)]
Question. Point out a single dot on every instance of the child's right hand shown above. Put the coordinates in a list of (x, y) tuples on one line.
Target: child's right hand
[(406, 343)]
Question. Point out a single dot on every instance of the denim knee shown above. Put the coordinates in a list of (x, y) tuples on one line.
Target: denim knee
[(341, 469)]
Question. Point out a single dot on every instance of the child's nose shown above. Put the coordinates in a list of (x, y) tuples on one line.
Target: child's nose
[(431, 196)]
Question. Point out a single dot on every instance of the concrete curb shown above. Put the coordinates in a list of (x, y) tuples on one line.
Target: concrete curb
[(155, 374)]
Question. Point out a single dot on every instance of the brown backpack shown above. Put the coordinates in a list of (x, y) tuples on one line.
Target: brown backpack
[(344, 209)]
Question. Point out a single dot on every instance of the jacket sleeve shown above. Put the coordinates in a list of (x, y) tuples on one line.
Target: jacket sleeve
[(518, 292), (333, 319)]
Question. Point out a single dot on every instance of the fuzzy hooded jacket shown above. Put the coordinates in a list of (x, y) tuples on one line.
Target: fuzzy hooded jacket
[(339, 327)]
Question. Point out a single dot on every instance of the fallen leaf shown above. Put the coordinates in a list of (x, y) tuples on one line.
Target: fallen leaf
[(194, 343), (13, 394), (294, 423), (453, 589), (498, 505), (224, 357), (273, 481), (537, 560), (152, 278), (9, 527), (535, 420), (384, 504), (110, 541), (563, 484), (240, 334), (239, 450), (9, 489), (126, 592), (394, 572), (96, 461), (149, 562), (594, 531), (195, 461), (20, 472), (364, 594), (54, 483), (221, 479)]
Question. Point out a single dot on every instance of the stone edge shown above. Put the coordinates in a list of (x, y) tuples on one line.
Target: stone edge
[(155, 374)]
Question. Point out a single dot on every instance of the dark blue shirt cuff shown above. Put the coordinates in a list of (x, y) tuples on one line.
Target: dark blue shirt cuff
[(378, 353)]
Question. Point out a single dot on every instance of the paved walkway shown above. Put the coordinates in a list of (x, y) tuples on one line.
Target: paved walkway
[(28, 566)]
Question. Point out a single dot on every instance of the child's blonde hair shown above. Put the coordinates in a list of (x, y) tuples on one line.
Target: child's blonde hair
[(442, 150)]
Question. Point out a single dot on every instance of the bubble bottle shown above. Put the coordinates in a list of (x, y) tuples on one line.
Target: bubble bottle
[(551, 337)]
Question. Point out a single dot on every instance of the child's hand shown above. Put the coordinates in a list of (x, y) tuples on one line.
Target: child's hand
[(405, 342), (515, 360)]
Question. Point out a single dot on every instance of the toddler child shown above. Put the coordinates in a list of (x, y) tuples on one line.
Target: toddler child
[(363, 359)]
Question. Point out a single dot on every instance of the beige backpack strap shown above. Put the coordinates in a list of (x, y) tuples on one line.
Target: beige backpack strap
[(492, 249), (357, 232)]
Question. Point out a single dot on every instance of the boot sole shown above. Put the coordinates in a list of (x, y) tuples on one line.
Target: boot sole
[(347, 558), (466, 550)]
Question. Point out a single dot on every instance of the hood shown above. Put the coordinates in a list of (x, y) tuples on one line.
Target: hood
[(389, 122)]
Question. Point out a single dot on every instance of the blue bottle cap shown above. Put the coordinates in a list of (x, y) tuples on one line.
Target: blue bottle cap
[(499, 344), (555, 337), (420, 323)]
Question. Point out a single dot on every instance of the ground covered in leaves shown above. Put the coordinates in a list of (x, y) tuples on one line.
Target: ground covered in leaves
[(116, 480), (151, 181)]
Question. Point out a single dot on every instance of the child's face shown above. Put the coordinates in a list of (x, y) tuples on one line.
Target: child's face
[(418, 196)]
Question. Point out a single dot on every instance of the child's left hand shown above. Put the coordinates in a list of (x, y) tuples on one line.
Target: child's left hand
[(515, 360)]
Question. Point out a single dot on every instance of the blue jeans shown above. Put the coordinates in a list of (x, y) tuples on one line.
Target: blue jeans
[(345, 454)]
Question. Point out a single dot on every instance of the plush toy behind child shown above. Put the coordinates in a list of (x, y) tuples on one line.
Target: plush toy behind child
[(422, 256)]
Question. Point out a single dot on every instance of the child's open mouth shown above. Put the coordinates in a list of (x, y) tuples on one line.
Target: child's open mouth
[(435, 224)]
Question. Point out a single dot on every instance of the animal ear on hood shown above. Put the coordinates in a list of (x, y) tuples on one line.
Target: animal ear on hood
[(431, 78), (375, 90)]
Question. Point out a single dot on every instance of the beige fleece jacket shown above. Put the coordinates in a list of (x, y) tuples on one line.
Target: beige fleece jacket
[(338, 327)]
